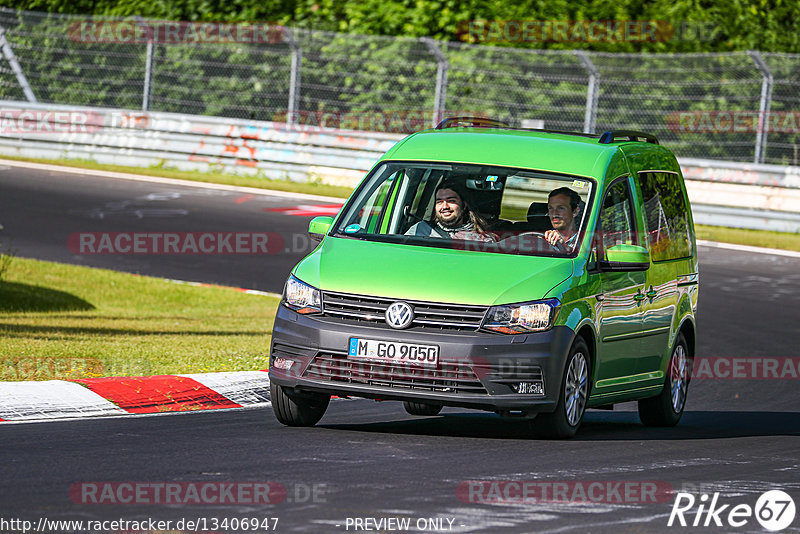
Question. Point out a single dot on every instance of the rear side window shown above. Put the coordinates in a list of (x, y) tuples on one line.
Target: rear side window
[(667, 218)]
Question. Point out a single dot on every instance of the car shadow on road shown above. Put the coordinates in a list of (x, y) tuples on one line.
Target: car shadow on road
[(597, 426)]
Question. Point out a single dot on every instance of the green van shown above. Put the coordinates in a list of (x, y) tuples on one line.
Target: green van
[(529, 273)]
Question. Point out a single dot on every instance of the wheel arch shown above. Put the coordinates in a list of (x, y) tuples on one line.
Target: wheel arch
[(687, 328), (587, 331)]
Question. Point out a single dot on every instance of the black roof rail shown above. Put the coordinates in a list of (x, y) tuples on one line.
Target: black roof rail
[(484, 122), (471, 122), (605, 138), (561, 132), (627, 135)]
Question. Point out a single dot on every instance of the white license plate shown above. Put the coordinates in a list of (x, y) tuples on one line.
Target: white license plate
[(393, 352)]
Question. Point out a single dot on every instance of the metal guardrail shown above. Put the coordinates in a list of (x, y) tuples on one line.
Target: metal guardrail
[(740, 173), (209, 144), (722, 193), (776, 221)]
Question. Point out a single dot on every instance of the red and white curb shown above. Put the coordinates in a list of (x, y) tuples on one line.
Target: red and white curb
[(115, 396)]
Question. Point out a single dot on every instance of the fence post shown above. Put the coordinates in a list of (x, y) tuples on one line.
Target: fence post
[(294, 77), (148, 76), (442, 66), (149, 62), (763, 107), (8, 52), (592, 92)]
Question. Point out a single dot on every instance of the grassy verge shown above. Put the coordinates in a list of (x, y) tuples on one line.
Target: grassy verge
[(312, 188), (65, 321), (756, 238), (738, 236)]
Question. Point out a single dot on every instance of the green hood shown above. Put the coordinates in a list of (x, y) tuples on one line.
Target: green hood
[(430, 274)]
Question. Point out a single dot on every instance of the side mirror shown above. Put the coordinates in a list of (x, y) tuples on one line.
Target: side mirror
[(625, 258), (319, 227)]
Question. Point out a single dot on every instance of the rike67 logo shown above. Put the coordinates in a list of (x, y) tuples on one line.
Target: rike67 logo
[(774, 510)]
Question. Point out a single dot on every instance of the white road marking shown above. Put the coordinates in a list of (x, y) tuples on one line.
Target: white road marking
[(748, 248), (169, 181)]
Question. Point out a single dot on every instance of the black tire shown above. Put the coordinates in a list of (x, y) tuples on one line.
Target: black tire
[(565, 420), (297, 409), (421, 408), (666, 409)]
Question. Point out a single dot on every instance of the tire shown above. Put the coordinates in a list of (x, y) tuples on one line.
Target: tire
[(421, 408), (666, 409), (565, 420), (297, 409)]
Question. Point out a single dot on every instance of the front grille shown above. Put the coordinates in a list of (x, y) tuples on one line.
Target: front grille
[(426, 314), (448, 377)]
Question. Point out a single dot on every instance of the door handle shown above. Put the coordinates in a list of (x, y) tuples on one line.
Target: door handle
[(652, 293), (639, 297)]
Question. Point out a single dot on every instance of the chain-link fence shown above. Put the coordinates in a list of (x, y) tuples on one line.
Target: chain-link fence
[(742, 106)]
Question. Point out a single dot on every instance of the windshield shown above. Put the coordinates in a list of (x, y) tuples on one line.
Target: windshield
[(473, 207)]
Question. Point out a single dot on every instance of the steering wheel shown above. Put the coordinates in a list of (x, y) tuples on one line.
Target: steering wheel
[(521, 243)]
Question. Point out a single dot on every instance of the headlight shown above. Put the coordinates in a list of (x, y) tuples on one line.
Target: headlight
[(301, 297), (521, 318)]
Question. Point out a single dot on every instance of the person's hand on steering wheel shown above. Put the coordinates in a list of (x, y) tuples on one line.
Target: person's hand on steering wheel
[(555, 238)]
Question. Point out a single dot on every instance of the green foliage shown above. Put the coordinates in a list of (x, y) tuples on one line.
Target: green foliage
[(369, 81), (701, 25)]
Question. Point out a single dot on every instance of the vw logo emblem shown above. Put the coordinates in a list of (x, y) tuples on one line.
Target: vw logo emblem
[(399, 315)]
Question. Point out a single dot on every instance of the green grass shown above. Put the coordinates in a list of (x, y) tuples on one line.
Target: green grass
[(65, 321), (312, 187), (756, 238)]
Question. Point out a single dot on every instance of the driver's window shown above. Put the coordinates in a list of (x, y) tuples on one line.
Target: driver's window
[(375, 206), (616, 216)]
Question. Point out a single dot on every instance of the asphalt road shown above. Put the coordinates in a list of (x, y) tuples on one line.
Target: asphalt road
[(41, 210), (738, 437)]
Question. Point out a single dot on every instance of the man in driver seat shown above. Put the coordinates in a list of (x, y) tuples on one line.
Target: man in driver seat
[(563, 209), (453, 218)]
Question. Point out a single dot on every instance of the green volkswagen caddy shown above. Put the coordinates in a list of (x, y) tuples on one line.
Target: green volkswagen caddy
[(529, 273)]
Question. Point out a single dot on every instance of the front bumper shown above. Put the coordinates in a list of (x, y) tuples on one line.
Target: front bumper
[(476, 370)]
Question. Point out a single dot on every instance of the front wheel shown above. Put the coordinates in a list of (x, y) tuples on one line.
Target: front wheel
[(421, 408), (297, 409), (565, 420), (666, 409)]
